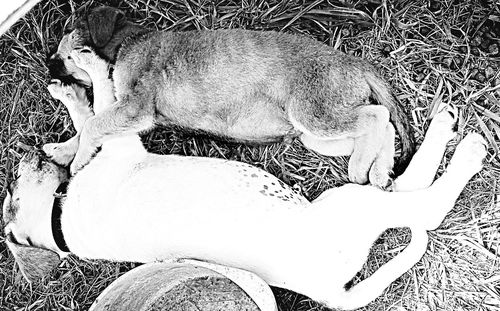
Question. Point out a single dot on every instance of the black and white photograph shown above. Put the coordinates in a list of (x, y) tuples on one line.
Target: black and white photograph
[(191, 155)]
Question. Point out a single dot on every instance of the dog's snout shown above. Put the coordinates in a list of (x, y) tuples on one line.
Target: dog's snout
[(32, 155), (35, 157), (56, 66), (38, 161)]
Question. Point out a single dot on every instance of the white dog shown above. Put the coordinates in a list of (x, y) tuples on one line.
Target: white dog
[(130, 205)]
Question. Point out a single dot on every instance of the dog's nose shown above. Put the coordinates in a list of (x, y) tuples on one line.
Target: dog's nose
[(35, 157), (56, 66)]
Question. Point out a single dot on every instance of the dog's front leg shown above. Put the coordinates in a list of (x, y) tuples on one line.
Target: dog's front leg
[(75, 100), (98, 71), (122, 118), (130, 115)]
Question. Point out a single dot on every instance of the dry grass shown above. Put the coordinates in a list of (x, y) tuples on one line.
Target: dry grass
[(431, 51)]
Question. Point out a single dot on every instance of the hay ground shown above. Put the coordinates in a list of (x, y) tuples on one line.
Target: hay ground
[(431, 52)]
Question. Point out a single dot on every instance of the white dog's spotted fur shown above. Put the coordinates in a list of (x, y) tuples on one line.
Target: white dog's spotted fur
[(130, 205)]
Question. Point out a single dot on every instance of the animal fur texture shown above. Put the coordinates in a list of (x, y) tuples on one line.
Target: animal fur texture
[(131, 205), (249, 86)]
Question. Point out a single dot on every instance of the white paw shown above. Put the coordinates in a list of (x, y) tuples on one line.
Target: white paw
[(357, 171), (86, 150), (380, 175), (444, 122), (82, 158), (470, 153), (87, 59), (66, 93), (61, 153)]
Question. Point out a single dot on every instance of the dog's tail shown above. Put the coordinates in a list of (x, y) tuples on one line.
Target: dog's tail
[(369, 289), (399, 118)]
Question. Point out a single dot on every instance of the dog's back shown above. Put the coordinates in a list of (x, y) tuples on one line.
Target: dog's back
[(245, 84)]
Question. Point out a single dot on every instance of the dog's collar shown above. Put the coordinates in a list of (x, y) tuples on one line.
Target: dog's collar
[(56, 217)]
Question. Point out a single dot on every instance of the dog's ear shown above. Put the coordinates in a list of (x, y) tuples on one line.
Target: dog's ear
[(34, 262), (102, 23)]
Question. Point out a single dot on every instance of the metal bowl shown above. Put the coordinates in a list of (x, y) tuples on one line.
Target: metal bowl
[(187, 285)]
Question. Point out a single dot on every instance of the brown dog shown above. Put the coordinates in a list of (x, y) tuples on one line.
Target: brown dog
[(249, 86)]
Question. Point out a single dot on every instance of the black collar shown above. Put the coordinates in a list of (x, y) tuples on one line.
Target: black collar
[(56, 217)]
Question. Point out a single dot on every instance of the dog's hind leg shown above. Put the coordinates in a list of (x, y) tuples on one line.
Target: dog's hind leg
[(363, 139), (371, 128), (75, 100), (425, 209), (465, 163), (330, 147), (422, 169), (420, 210), (384, 161)]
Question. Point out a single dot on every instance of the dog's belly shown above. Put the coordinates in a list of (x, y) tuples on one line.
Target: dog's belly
[(257, 118)]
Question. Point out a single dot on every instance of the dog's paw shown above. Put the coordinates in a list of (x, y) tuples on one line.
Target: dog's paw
[(443, 125), (88, 60), (357, 172), (66, 93), (470, 153), (81, 159), (86, 150), (61, 153), (379, 176)]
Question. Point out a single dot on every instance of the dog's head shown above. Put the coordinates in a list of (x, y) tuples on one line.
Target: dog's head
[(27, 211), (104, 29)]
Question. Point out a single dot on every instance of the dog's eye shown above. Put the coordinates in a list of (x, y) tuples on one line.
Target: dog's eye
[(69, 57)]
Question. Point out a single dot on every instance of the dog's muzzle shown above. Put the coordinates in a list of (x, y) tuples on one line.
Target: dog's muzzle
[(38, 160), (35, 156), (57, 70), (56, 67)]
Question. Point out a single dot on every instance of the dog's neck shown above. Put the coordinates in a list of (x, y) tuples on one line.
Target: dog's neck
[(35, 226)]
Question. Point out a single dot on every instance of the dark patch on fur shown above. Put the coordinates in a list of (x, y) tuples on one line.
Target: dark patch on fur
[(10, 212), (35, 263), (282, 184)]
